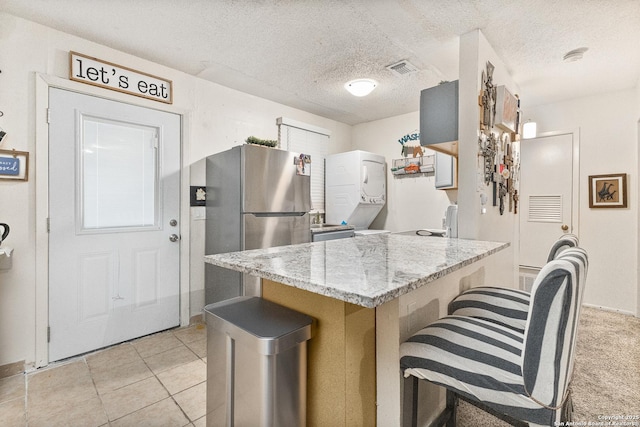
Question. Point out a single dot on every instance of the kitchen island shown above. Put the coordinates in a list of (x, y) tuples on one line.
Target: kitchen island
[(367, 294)]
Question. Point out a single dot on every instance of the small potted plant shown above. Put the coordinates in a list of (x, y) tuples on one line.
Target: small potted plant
[(258, 141)]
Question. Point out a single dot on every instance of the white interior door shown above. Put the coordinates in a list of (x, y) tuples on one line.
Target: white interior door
[(546, 195), (114, 203)]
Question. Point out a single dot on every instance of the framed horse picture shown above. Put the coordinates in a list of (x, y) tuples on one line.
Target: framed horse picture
[(608, 191)]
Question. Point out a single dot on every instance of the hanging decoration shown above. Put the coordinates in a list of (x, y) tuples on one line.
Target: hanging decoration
[(97, 72), (500, 151), (410, 149), (488, 98), (488, 150)]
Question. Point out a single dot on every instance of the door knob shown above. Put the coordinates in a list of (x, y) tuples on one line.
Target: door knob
[(565, 227), (174, 238)]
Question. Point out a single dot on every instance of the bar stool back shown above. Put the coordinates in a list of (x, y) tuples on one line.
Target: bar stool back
[(508, 307), (522, 377)]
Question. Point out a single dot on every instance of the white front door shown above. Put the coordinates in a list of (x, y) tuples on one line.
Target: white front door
[(546, 195), (114, 204)]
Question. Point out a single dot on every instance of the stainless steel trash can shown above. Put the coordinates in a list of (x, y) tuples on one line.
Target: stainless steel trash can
[(256, 364)]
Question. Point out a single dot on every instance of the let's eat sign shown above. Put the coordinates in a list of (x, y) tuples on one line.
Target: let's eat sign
[(97, 72)]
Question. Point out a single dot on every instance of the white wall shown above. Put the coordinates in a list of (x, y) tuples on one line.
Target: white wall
[(608, 126), (217, 118), (475, 51), (412, 202)]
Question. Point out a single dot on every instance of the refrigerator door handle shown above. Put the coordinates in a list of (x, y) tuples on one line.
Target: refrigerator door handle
[(276, 214)]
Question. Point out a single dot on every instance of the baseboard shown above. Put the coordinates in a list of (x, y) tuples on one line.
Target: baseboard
[(11, 369), (613, 310), (198, 318)]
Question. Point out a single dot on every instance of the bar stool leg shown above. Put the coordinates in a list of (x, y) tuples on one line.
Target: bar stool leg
[(414, 403), (452, 408)]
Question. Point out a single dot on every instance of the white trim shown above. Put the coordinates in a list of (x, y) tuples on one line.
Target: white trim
[(38, 354), (300, 125)]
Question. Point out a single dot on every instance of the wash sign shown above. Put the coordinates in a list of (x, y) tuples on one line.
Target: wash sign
[(96, 72)]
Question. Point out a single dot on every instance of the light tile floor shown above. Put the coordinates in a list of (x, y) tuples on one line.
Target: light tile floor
[(159, 380)]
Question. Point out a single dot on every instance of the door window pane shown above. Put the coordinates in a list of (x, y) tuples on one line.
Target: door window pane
[(119, 177)]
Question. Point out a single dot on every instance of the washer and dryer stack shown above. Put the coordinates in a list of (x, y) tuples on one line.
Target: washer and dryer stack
[(355, 189)]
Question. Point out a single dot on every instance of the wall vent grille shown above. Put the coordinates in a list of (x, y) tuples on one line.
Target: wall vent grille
[(545, 208), (527, 277)]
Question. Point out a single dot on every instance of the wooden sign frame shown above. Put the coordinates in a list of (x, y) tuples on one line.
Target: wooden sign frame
[(105, 74), (14, 165)]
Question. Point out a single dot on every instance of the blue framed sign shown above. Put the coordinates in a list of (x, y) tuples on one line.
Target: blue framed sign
[(14, 165)]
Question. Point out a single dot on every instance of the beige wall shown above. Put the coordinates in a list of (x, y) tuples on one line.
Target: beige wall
[(415, 203), (217, 118), (608, 127), (636, 193), (609, 132)]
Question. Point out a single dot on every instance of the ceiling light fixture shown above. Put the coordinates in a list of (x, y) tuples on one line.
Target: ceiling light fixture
[(361, 87), (575, 54)]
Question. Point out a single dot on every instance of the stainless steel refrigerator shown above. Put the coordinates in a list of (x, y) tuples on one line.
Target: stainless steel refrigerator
[(257, 197)]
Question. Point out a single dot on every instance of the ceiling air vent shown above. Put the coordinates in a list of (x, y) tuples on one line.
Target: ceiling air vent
[(402, 68)]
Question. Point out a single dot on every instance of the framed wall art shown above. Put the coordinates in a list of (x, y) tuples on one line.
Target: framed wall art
[(14, 165), (198, 196), (608, 191), (506, 109)]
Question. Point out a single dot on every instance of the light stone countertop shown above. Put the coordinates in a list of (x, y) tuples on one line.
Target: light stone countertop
[(367, 271)]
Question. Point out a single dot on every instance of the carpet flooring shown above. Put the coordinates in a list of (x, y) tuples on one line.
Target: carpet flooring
[(606, 379)]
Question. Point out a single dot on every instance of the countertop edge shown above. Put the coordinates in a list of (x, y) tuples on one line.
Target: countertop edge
[(350, 296), (388, 296)]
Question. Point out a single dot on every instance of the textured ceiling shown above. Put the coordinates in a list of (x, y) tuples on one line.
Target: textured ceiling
[(301, 52)]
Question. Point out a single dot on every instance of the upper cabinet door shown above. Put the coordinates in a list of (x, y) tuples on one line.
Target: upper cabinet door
[(439, 117), (446, 172)]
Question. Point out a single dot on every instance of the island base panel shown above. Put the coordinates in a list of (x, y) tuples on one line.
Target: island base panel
[(341, 372)]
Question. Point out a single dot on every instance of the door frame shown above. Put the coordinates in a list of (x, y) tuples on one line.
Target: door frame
[(37, 355), (575, 179)]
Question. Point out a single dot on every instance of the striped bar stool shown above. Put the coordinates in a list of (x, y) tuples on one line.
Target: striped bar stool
[(504, 306), (521, 377)]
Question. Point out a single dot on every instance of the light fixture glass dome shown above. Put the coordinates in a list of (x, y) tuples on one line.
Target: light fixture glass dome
[(361, 87)]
